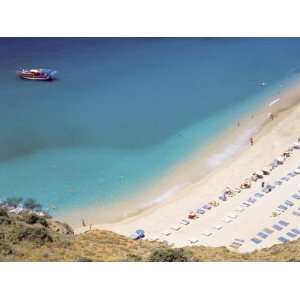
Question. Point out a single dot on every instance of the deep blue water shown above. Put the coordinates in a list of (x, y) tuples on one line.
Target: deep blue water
[(122, 111)]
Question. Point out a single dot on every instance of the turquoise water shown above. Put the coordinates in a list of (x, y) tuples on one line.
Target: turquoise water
[(123, 111)]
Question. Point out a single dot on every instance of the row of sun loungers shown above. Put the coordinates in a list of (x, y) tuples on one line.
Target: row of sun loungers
[(230, 217), (266, 232)]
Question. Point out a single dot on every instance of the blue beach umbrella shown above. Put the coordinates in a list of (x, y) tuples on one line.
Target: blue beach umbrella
[(140, 232)]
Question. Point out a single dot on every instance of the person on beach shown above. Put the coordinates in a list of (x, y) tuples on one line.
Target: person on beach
[(271, 116), (251, 141), (90, 227), (83, 222), (263, 184)]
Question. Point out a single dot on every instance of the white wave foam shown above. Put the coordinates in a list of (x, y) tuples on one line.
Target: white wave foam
[(167, 195), (216, 159)]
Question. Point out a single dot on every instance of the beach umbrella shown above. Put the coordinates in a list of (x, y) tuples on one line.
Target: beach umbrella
[(297, 145), (140, 232), (280, 159), (259, 173), (266, 170), (135, 236)]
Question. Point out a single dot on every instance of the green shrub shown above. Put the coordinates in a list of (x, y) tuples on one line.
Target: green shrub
[(13, 201), (84, 259), (169, 255), (3, 212), (5, 220), (133, 258), (32, 205), (34, 219), (35, 234), (5, 249)]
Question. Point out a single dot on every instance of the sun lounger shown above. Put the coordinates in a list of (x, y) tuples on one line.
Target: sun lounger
[(282, 207), (285, 178), (235, 245), (259, 195), (283, 239), (207, 206), (295, 230), (262, 235), (232, 216), (292, 174), (283, 223), (200, 211), (218, 227), (256, 240), (166, 233), (291, 234), (296, 213), (193, 241), (222, 198), (277, 227), (184, 222), (239, 209), (175, 227), (227, 220), (207, 233), (268, 230), (267, 189), (296, 196), (240, 240), (245, 204), (278, 182), (251, 200), (289, 203)]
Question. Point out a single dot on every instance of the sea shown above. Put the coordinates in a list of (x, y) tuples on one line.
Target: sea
[(123, 111)]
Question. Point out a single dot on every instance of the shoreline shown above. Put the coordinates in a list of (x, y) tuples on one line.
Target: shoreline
[(280, 111)]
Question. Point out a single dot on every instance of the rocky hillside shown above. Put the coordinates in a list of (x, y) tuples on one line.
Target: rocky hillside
[(30, 237)]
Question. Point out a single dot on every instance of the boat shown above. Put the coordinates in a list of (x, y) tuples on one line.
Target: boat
[(36, 74)]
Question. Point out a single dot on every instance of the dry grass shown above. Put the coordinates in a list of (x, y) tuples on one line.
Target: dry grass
[(20, 241)]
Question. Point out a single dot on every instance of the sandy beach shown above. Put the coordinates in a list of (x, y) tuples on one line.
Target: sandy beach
[(231, 220)]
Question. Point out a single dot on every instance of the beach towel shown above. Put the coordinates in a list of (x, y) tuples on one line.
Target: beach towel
[(259, 195), (251, 200), (184, 222), (285, 178), (200, 211)]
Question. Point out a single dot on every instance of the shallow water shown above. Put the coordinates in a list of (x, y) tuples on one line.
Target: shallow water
[(123, 111)]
